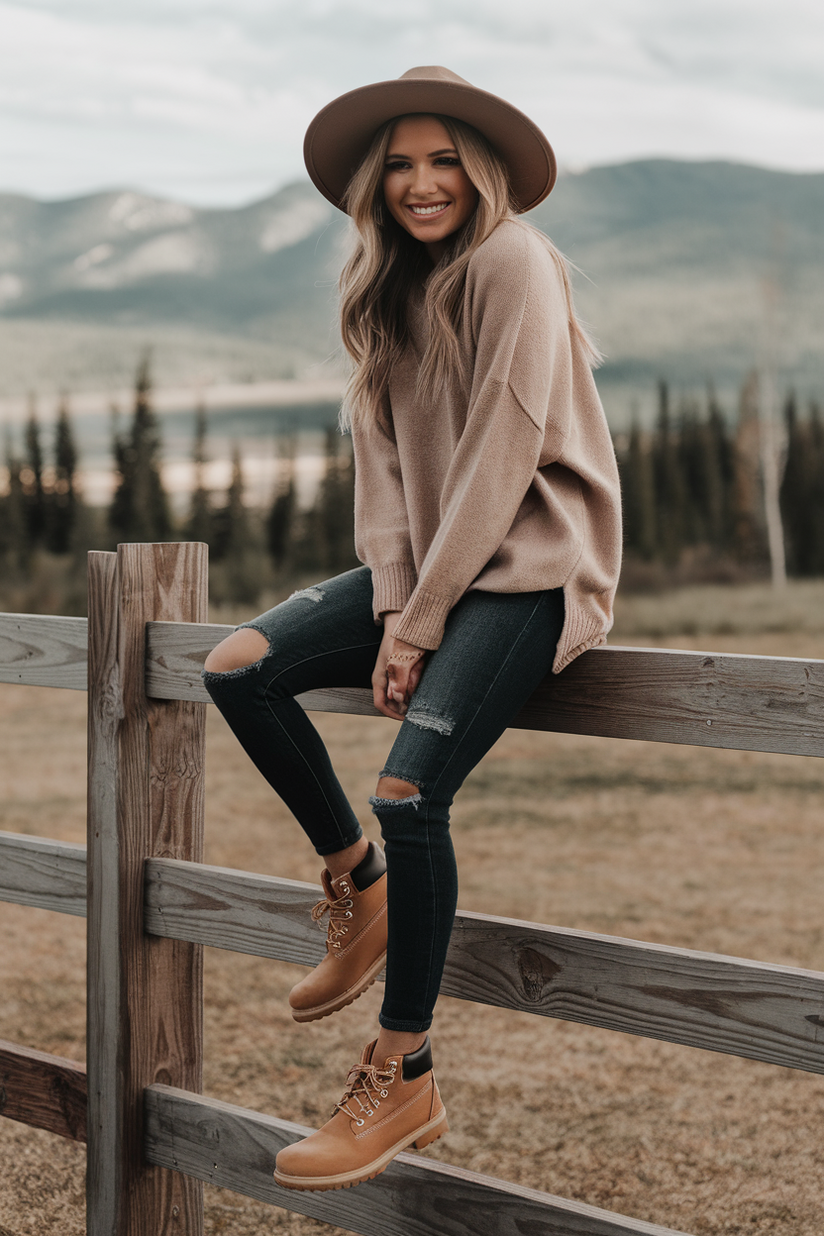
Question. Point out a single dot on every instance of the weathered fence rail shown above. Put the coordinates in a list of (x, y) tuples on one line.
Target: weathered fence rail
[(151, 905)]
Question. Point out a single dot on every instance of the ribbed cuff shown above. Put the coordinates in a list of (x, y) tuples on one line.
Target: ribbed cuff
[(392, 586), (581, 632), (423, 620)]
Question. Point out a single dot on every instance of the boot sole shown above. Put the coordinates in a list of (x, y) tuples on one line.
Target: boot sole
[(345, 1180), (347, 997)]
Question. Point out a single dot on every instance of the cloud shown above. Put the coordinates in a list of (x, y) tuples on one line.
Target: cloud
[(209, 99)]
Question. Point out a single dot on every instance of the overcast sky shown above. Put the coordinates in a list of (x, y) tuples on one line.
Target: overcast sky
[(207, 100)]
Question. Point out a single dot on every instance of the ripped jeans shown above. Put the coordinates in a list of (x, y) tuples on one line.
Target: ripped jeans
[(496, 649)]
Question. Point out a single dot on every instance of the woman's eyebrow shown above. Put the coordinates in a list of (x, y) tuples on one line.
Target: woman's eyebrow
[(432, 154)]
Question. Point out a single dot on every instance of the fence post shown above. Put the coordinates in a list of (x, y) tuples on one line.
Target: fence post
[(145, 796)]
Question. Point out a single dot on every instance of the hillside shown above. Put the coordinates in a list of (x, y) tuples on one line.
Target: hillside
[(673, 258)]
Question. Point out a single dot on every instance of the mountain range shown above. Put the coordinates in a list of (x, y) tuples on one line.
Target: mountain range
[(688, 271)]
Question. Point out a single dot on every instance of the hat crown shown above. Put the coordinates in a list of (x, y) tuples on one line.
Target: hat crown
[(433, 73)]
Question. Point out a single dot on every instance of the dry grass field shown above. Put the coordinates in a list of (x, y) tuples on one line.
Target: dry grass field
[(720, 851)]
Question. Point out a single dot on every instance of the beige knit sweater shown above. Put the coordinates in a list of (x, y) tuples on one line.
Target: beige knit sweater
[(509, 485)]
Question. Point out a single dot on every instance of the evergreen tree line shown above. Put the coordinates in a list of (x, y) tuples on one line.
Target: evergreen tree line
[(694, 483), (40, 505), (42, 512), (691, 485)]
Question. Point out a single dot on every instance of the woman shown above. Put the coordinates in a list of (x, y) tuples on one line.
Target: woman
[(487, 516)]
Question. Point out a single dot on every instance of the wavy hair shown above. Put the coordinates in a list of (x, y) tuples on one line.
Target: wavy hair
[(387, 263)]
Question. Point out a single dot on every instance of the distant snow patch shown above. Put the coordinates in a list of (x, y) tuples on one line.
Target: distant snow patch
[(175, 253), (141, 214), (292, 224), (11, 287), (93, 257)]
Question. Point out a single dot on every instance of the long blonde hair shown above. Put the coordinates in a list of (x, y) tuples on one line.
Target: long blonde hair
[(387, 263)]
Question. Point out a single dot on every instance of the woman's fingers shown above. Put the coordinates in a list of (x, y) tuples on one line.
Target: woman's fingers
[(397, 688)]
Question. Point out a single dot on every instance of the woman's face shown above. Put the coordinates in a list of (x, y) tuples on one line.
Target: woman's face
[(425, 187)]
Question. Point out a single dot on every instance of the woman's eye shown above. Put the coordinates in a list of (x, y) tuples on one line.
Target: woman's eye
[(449, 161), (397, 166)]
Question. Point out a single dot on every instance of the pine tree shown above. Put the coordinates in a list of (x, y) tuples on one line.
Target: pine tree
[(63, 498), (139, 509), (802, 491), (238, 550), (670, 489), (230, 521), (749, 535), (280, 520), (199, 525), (718, 467), (31, 476), (638, 485), (14, 540), (335, 505)]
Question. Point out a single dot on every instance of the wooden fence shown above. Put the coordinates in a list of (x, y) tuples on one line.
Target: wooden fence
[(151, 904)]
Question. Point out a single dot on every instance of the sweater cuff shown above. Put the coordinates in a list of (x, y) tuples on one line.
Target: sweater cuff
[(423, 619), (392, 586)]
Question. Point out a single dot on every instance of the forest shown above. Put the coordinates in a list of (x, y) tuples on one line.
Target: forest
[(693, 494)]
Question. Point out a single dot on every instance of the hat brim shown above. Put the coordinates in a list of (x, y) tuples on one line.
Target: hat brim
[(341, 133)]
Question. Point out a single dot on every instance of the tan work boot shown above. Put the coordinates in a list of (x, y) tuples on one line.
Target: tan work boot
[(355, 942), (384, 1109)]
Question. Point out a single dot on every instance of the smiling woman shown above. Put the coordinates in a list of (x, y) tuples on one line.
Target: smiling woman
[(487, 519), (425, 186)]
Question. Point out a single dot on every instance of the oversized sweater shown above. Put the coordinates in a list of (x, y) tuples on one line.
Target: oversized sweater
[(507, 481)]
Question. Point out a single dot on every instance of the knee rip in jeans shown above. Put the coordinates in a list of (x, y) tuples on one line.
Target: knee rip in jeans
[(425, 719), (393, 804), (406, 800), (215, 675), (239, 672), (309, 594)]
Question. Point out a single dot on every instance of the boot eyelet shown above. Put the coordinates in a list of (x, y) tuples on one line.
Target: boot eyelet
[(347, 914), (348, 903), (384, 1093), (359, 1123), (377, 1101)]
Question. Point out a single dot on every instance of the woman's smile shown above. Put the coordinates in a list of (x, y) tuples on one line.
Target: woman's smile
[(428, 211), (424, 183)]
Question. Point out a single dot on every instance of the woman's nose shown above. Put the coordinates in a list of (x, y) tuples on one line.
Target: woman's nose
[(423, 179)]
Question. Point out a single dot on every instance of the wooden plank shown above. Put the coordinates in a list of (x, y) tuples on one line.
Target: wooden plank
[(39, 650), (230, 909), (701, 699), (44, 1091), (50, 875), (235, 1149), (744, 1008), (145, 797), (175, 652)]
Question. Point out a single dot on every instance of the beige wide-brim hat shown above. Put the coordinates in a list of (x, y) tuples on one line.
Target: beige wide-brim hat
[(341, 133)]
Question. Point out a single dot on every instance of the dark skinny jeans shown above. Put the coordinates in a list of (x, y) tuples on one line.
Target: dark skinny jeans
[(496, 649)]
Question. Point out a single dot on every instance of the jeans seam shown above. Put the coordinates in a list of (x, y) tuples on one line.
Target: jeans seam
[(287, 735), (466, 728)]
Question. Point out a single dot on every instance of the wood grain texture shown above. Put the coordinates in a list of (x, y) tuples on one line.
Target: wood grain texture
[(725, 1004), (236, 1149), (44, 1091), (237, 910), (145, 798), (701, 699), (38, 650), (659, 695), (50, 875)]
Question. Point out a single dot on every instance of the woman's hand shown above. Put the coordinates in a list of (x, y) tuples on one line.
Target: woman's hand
[(397, 672)]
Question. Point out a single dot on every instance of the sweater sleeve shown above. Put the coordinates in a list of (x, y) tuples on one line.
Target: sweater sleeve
[(382, 539), (519, 321)]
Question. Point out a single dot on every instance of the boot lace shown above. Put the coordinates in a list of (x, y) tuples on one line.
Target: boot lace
[(366, 1085), (339, 911)]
